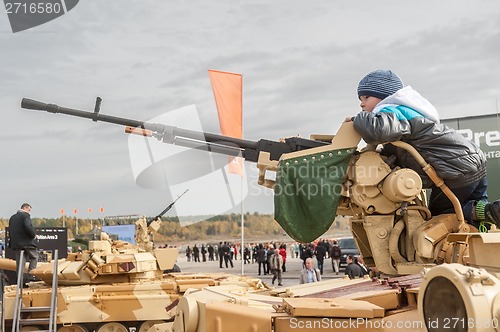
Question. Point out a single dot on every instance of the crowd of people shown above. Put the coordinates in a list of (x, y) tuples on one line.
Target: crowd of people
[(271, 258)]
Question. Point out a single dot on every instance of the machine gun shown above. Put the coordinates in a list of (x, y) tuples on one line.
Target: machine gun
[(166, 209), (144, 229), (188, 138), (325, 176)]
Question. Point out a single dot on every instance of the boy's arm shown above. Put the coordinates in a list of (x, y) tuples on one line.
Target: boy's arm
[(378, 128)]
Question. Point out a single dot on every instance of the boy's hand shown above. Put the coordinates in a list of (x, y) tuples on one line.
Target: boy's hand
[(348, 119)]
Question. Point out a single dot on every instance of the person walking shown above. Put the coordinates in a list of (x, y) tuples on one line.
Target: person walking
[(320, 253), (335, 254), (282, 252), (246, 255), (22, 238), (275, 264)]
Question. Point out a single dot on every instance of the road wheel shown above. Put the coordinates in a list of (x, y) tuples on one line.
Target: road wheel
[(145, 326), (111, 327)]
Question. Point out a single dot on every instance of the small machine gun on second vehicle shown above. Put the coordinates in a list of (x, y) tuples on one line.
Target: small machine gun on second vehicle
[(144, 229)]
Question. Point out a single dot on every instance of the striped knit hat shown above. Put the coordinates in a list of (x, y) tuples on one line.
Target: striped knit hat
[(380, 84)]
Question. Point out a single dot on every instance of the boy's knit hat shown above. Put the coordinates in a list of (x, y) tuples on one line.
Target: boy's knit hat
[(380, 84)]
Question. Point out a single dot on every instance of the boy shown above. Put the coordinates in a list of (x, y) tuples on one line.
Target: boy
[(392, 112)]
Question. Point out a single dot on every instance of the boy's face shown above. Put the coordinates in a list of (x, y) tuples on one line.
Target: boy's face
[(368, 103)]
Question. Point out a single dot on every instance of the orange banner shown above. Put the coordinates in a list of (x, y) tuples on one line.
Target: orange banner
[(228, 93)]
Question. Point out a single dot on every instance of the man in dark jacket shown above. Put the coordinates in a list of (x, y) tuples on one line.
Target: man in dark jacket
[(220, 254), (335, 254), (353, 270), (261, 259), (360, 261), (320, 253), (392, 112), (226, 252), (22, 238)]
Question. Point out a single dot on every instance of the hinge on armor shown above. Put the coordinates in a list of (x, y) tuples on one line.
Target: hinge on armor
[(453, 252)]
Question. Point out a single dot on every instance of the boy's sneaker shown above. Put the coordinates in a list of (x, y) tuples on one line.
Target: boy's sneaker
[(492, 212)]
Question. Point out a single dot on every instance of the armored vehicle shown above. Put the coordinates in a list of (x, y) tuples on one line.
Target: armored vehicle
[(111, 287), (390, 222)]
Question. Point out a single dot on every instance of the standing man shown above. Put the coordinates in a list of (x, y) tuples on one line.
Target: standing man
[(196, 253), (320, 253), (352, 269), (261, 259), (220, 254), (210, 252), (226, 251), (365, 269), (22, 237), (203, 253), (275, 264), (309, 273), (246, 254)]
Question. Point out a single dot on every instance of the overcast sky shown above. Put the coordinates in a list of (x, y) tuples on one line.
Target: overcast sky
[(301, 62)]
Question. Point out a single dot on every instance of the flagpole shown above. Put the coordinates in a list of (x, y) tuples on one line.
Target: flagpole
[(242, 247)]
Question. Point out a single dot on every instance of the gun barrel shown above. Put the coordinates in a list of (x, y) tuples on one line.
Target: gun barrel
[(53, 108), (169, 134)]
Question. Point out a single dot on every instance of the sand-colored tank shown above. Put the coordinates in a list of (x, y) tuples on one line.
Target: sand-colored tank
[(114, 286)]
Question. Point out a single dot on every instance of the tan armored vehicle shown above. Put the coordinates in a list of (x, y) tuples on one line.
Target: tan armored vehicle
[(438, 273), (393, 228), (112, 287)]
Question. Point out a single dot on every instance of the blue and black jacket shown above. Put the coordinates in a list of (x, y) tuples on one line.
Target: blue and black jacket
[(406, 116)]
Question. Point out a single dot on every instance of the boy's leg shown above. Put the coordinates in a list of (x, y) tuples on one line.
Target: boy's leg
[(468, 195), (482, 210)]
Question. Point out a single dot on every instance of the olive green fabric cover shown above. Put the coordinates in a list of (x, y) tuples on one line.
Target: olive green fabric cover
[(307, 192)]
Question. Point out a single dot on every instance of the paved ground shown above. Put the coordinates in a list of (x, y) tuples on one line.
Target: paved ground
[(290, 277)]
